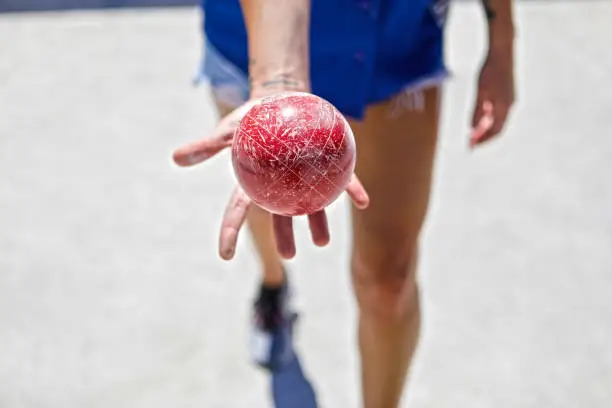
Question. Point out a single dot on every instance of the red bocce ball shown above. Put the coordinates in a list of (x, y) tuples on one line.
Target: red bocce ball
[(293, 153)]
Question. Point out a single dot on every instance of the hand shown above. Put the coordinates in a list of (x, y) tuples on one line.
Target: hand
[(239, 203), (495, 96)]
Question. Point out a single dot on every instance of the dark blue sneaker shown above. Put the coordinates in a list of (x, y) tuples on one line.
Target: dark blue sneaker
[(271, 342)]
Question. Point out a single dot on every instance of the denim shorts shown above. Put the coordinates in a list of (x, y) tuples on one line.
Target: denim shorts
[(378, 51), (230, 86)]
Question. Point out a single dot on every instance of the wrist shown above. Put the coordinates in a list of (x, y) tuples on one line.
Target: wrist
[(501, 36), (500, 18), (266, 85)]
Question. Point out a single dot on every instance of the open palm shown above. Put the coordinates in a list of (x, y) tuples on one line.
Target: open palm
[(239, 203)]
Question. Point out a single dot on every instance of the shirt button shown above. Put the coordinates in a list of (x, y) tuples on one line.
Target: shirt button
[(359, 56)]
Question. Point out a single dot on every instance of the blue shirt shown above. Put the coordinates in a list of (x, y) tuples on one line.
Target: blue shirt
[(361, 51)]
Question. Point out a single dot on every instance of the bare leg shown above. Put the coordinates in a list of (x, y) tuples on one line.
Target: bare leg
[(260, 226), (395, 160)]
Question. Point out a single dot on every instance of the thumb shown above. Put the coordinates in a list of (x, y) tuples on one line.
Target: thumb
[(201, 150), (482, 122), (197, 152), (478, 111)]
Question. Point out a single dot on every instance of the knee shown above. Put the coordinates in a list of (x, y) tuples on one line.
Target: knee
[(385, 280)]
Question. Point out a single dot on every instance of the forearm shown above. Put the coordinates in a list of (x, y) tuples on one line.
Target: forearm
[(278, 38), (500, 18)]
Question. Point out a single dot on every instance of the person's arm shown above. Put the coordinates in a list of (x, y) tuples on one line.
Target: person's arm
[(495, 95), (278, 39), (278, 35), (500, 18)]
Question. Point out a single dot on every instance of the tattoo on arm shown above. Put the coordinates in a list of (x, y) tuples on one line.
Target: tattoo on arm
[(280, 81), (486, 4)]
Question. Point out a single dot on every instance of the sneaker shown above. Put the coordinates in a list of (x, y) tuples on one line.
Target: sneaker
[(272, 328)]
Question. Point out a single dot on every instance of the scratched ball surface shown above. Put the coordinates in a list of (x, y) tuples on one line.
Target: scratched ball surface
[(293, 153)]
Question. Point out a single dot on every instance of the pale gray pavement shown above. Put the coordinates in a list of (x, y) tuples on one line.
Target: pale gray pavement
[(111, 293)]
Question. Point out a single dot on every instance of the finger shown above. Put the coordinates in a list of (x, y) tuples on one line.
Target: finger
[(485, 123), (478, 110), (235, 214), (283, 231), (319, 229), (501, 116), (197, 152), (357, 193), (499, 119)]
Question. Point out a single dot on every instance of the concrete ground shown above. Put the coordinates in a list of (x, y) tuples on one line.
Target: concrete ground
[(111, 292)]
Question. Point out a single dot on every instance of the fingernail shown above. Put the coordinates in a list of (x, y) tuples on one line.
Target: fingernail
[(288, 253), (228, 254)]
